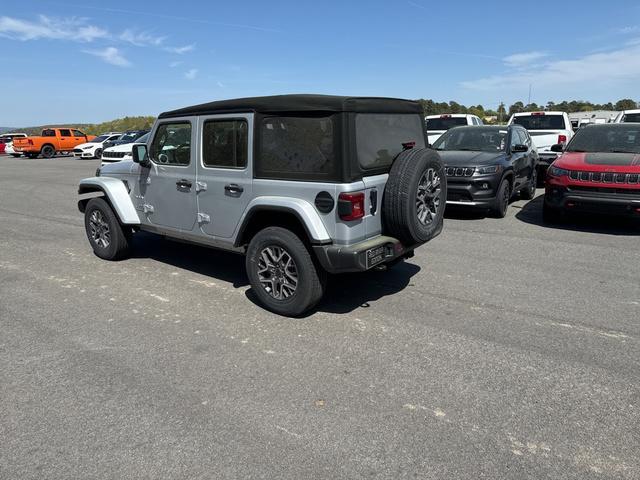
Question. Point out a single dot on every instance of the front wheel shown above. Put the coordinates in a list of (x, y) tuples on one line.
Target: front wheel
[(499, 209), (98, 153), (282, 272), (108, 238)]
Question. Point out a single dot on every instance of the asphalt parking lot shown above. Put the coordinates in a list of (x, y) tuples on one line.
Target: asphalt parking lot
[(503, 349)]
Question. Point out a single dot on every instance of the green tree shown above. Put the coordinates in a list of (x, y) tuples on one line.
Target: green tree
[(626, 104)]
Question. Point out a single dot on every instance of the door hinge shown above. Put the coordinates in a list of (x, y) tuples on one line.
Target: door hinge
[(147, 208), (203, 218), (201, 187)]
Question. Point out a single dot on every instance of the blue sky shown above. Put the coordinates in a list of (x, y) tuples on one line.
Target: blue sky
[(84, 61)]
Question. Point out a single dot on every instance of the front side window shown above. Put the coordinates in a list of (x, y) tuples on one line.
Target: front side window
[(380, 137), (225, 143), (172, 144), (78, 133), (297, 146)]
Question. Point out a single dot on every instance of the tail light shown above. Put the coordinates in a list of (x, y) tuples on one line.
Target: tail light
[(562, 139), (351, 206), (30, 142)]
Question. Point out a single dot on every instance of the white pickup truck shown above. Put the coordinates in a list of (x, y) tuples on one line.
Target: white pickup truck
[(546, 129), (438, 124), (628, 116)]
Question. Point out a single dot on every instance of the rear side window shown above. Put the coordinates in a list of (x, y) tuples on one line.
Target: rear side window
[(541, 122), (225, 143), (172, 144), (297, 147), (380, 137), (48, 133)]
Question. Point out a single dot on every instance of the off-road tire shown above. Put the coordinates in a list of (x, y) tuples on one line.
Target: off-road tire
[(311, 278), (119, 235), (400, 204), (501, 204), (551, 215), (47, 151), (529, 192)]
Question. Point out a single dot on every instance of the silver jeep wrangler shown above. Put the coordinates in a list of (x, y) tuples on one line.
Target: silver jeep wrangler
[(303, 185)]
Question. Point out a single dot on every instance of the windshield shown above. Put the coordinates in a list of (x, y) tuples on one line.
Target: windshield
[(476, 139), (99, 139), (541, 122), (143, 138), (619, 138), (445, 123), (631, 117), (128, 137), (380, 137)]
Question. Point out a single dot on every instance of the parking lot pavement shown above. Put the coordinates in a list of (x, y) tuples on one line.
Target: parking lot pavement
[(503, 349)]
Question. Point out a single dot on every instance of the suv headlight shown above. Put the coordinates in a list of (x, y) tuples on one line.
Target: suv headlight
[(488, 170), (558, 172)]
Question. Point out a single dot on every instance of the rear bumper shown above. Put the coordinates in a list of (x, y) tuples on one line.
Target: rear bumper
[(546, 158), (593, 202), (363, 256)]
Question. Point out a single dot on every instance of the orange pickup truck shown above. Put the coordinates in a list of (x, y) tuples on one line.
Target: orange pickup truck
[(51, 141)]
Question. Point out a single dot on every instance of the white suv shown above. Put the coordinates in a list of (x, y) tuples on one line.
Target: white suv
[(438, 124)]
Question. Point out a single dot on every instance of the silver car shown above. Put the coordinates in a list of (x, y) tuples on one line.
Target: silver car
[(303, 185)]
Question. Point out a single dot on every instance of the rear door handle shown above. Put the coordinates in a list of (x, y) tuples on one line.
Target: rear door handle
[(184, 183), (233, 188)]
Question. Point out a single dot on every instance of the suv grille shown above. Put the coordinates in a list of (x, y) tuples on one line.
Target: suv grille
[(607, 190), (460, 171), (608, 177), (113, 154)]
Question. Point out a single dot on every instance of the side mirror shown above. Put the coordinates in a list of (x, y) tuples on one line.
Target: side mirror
[(558, 148), (520, 148), (140, 154)]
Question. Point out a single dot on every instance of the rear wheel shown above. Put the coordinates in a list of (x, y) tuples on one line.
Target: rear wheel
[(47, 151), (282, 272), (499, 209), (108, 238), (529, 191)]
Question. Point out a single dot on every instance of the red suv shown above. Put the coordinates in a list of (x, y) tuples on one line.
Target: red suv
[(598, 172)]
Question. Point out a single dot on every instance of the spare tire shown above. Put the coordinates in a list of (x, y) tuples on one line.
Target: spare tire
[(415, 196)]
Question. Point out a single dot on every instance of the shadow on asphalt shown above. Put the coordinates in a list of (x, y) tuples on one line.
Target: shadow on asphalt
[(531, 213), (345, 293)]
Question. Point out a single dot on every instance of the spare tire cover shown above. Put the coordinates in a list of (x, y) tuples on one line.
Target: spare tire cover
[(415, 196)]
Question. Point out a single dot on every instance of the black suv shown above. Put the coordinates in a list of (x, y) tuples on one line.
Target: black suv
[(487, 165)]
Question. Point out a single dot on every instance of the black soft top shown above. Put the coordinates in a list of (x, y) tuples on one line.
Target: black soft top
[(300, 104)]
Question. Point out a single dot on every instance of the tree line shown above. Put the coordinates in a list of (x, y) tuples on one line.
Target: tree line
[(502, 112)]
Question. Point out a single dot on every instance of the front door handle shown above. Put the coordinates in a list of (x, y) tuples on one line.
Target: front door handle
[(233, 188), (184, 183)]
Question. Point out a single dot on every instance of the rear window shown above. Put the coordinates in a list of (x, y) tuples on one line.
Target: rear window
[(541, 122), (631, 117), (379, 137), (297, 147), (445, 123)]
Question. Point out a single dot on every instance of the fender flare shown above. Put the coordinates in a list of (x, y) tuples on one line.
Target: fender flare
[(116, 192), (301, 209)]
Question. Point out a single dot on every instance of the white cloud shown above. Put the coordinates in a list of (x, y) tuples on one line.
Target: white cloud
[(141, 39), (49, 28), (601, 69), (220, 84), (180, 50), (523, 59), (110, 55), (191, 74), (175, 64)]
